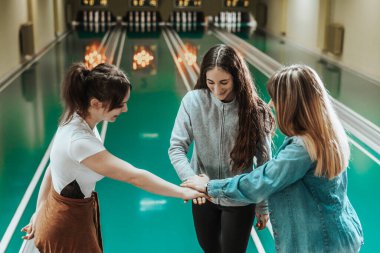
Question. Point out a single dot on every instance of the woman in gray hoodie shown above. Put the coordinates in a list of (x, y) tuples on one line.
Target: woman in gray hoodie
[(231, 129)]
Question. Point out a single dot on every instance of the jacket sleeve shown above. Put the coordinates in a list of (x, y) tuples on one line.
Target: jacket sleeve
[(262, 207), (290, 165), (181, 138)]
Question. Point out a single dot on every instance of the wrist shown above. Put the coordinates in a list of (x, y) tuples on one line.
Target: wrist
[(206, 188)]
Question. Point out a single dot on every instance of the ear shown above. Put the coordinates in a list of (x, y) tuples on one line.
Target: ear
[(95, 103)]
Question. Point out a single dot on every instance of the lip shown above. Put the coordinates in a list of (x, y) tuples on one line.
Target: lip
[(221, 95)]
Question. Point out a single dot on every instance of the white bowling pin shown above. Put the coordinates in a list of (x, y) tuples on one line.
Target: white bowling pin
[(90, 17), (154, 17)]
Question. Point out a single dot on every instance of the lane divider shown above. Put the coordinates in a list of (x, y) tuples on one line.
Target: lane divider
[(257, 241), (180, 51), (118, 60), (185, 80), (180, 42)]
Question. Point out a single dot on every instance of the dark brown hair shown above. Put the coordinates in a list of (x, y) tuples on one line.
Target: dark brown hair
[(105, 82), (256, 121)]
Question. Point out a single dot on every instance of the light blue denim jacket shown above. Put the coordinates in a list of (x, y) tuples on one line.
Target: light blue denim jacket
[(308, 213)]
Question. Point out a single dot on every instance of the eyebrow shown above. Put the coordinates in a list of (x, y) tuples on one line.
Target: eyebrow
[(219, 81)]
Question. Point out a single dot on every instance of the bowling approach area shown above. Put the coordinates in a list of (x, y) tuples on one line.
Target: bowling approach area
[(160, 45)]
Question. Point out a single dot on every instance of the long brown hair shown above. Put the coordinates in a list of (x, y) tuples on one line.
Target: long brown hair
[(105, 82), (303, 108), (256, 121)]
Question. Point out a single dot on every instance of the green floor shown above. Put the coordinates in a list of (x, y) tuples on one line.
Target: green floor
[(134, 220)]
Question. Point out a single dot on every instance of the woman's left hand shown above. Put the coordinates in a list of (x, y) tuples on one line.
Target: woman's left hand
[(30, 228), (262, 220), (197, 182)]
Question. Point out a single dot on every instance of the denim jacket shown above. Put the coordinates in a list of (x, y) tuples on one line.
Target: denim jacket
[(308, 213), (212, 126)]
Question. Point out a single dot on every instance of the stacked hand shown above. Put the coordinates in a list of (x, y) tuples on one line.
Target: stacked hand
[(188, 193), (198, 183)]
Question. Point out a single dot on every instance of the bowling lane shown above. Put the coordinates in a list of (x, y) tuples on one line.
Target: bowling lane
[(142, 137), (134, 220), (344, 85), (29, 112)]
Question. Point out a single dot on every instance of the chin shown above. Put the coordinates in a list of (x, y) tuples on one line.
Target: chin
[(220, 97)]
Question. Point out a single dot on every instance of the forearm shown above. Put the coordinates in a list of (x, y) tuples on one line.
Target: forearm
[(180, 140), (152, 183), (180, 163), (110, 166), (44, 189), (290, 165), (231, 189)]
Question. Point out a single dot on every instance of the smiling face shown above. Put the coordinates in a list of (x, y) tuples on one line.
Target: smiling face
[(220, 84), (112, 115)]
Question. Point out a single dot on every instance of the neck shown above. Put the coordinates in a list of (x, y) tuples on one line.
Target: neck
[(91, 121)]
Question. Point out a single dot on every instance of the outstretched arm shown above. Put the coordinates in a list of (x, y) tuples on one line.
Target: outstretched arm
[(108, 165), (290, 165)]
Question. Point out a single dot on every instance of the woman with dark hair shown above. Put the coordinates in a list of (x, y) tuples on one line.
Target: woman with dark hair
[(306, 181), (231, 129), (67, 214)]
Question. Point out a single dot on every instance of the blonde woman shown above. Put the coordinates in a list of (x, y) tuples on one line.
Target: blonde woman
[(306, 182)]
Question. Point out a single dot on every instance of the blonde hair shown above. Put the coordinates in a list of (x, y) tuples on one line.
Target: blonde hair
[(303, 108)]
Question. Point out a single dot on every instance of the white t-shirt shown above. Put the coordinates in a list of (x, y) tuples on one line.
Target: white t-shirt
[(73, 143)]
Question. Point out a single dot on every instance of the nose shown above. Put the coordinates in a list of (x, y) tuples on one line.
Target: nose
[(124, 108), (217, 89)]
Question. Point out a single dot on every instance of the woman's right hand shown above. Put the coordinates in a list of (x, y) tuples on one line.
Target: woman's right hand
[(188, 194), (197, 182), (30, 228)]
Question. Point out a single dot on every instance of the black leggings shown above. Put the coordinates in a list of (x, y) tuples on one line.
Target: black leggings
[(223, 229)]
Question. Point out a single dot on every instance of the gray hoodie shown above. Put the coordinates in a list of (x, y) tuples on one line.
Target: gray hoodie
[(213, 127)]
